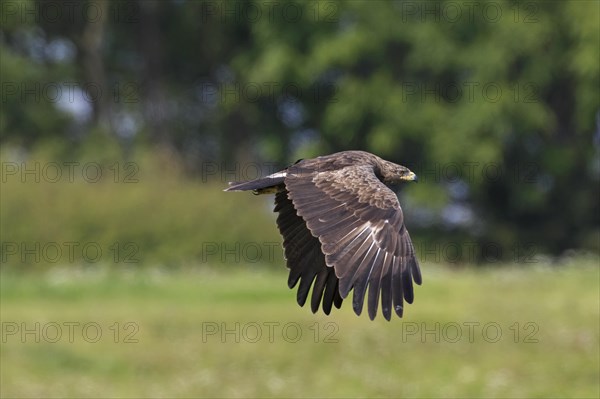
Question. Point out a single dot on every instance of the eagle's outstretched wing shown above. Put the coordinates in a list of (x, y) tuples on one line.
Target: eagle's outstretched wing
[(360, 226)]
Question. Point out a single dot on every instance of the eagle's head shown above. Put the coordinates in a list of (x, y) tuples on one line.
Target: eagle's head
[(392, 173)]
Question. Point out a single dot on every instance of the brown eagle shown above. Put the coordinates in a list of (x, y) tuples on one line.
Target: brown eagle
[(343, 229)]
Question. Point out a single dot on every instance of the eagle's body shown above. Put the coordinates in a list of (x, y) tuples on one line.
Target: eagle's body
[(343, 228)]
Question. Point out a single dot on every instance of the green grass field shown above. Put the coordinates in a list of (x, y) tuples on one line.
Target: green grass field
[(208, 332)]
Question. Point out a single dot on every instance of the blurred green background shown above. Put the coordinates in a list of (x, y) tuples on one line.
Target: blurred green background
[(122, 121)]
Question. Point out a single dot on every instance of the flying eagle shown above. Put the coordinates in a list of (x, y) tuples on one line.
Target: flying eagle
[(343, 229)]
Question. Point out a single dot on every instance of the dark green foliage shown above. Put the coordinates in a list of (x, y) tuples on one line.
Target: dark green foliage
[(495, 105)]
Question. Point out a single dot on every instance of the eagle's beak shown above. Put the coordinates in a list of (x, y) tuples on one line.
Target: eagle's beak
[(411, 177)]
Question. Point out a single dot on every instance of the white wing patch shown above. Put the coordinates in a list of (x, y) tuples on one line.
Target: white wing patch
[(276, 175)]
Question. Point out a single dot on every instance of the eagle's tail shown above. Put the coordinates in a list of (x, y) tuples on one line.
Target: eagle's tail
[(264, 185)]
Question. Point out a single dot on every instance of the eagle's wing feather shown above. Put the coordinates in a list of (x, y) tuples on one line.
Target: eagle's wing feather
[(305, 259)]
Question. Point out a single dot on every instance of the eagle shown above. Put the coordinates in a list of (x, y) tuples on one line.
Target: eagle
[(343, 229)]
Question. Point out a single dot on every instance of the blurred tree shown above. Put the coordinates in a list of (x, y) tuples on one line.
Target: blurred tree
[(494, 104)]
